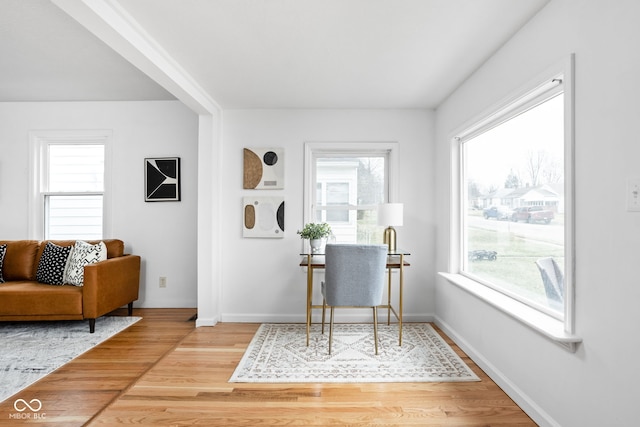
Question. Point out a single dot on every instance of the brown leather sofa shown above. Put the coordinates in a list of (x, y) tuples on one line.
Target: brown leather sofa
[(108, 285)]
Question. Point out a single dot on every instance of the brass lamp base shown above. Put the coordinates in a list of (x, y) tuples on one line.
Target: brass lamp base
[(389, 238)]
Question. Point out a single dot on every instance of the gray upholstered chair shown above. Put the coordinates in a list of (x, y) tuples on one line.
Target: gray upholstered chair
[(354, 277), (553, 280)]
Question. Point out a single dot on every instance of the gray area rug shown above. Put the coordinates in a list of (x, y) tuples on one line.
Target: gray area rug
[(31, 350), (278, 354)]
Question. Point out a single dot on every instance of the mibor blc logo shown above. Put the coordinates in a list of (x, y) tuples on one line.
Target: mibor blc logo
[(27, 410)]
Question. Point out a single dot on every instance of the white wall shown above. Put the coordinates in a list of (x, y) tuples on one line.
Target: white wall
[(163, 234), (260, 277), (596, 386)]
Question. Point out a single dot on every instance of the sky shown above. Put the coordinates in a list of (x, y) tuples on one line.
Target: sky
[(492, 155)]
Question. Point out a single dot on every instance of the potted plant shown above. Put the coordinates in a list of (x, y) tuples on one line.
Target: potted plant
[(315, 232)]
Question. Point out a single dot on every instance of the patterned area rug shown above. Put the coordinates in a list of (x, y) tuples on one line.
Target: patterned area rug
[(31, 350), (278, 354)]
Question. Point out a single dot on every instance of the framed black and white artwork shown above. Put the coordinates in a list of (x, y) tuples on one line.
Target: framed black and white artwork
[(162, 179)]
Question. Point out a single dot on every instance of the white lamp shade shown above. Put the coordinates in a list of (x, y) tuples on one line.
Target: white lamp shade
[(390, 214)]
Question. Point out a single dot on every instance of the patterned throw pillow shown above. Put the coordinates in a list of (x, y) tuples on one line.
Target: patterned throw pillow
[(3, 250), (83, 254), (52, 264)]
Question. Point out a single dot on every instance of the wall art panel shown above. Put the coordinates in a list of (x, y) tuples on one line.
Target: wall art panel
[(263, 168), (162, 179), (263, 217)]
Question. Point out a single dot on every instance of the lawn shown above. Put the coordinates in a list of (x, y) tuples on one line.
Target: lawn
[(515, 268)]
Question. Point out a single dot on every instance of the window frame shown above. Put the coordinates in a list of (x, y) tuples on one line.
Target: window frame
[(560, 330), (39, 143), (313, 150), (540, 94)]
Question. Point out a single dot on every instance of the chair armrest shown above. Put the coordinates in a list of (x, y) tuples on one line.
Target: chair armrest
[(110, 284)]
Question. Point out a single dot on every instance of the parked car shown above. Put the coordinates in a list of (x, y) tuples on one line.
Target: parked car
[(497, 212), (481, 254), (532, 214)]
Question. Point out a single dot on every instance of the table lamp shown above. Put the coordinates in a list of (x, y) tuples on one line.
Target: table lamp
[(390, 214)]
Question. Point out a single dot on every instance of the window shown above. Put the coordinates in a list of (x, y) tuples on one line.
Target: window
[(70, 184), (333, 194), (514, 199), (345, 185)]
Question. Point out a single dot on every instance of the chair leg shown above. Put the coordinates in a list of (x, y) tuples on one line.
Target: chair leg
[(330, 330), (375, 327), (324, 308)]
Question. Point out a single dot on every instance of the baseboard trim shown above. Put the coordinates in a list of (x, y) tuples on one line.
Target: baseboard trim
[(528, 405), (206, 322), (342, 315)]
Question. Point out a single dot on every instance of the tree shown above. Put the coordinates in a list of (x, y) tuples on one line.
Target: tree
[(512, 181), (553, 172), (473, 191), (370, 181), (543, 169), (534, 165)]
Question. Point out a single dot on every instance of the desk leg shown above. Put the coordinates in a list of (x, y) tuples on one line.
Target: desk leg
[(388, 296), (309, 294), (400, 303)]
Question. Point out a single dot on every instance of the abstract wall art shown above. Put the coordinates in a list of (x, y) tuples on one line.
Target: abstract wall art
[(263, 168), (162, 179), (263, 217)]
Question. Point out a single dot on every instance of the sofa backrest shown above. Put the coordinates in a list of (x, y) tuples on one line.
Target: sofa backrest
[(115, 247), (22, 256), (20, 259)]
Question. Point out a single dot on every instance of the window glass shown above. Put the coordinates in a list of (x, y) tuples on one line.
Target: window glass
[(513, 225), (76, 167), (73, 217), (337, 196), (73, 191), (349, 187)]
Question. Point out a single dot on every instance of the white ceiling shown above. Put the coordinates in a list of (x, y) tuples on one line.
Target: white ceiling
[(263, 53), (45, 55)]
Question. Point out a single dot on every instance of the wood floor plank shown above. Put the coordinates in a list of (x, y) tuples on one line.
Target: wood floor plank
[(165, 372), (79, 390), (190, 387)]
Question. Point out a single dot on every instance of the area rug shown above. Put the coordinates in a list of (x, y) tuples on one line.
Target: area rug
[(278, 354), (31, 350)]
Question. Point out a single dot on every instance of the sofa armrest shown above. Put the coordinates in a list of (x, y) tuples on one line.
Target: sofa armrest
[(110, 284)]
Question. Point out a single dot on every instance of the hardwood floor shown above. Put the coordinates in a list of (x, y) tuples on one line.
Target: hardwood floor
[(79, 390), (164, 372)]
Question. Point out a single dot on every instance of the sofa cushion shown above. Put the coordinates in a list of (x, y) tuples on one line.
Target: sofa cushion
[(3, 250), (20, 261), (52, 264), (83, 254), (26, 298)]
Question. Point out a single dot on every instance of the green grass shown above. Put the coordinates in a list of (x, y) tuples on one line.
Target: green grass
[(515, 267)]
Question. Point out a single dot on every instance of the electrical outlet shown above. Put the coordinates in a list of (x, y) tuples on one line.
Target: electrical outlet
[(633, 195), (163, 282)]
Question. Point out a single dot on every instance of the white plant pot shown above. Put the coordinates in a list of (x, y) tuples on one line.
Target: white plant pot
[(316, 245)]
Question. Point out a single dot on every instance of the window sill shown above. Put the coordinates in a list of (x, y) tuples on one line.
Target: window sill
[(540, 322)]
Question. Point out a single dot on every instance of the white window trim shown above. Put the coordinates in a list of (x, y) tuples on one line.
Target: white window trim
[(38, 141), (560, 331)]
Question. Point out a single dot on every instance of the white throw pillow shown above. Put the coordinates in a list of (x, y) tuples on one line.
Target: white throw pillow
[(82, 254)]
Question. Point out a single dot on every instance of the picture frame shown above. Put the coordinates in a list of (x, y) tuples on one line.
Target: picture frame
[(263, 217), (263, 169), (162, 179)]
